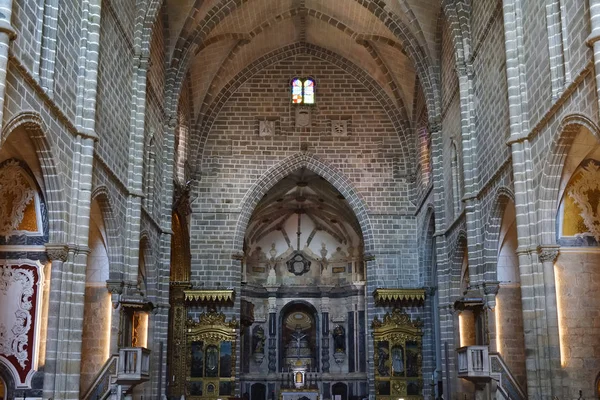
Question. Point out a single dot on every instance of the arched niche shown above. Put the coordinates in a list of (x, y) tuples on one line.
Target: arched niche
[(97, 311), (576, 270), (508, 314), (299, 335)]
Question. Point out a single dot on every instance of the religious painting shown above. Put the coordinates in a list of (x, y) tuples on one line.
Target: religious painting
[(225, 388), (195, 388), (383, 355), (412, 359), (197, 363), (225, 360), (212, 361)]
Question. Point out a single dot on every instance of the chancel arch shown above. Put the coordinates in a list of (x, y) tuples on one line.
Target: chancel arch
[(304, 276)]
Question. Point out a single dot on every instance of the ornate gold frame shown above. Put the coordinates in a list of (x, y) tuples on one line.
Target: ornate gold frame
[(392, 296), (396, 329), (212, 329)]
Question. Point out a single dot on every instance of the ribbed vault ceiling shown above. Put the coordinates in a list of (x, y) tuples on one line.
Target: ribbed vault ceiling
[(212, 41), (304, 193)]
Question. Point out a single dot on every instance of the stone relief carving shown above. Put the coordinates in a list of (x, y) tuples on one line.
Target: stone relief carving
[(266, 127), (339, 128), (584, 192), (302, 117), (15, 194), (16, 292)]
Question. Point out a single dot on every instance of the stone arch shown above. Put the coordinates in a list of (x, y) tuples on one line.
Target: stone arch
[(36, 129), (492, 232), (318, 166), (102, 197), (548, 196), (199, 140)]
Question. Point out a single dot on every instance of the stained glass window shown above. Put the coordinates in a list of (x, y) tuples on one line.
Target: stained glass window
[(309, 91), (297, 91), (303, 91)]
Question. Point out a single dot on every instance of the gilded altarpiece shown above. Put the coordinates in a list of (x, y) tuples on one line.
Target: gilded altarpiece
[(209, 363), (398, 360)]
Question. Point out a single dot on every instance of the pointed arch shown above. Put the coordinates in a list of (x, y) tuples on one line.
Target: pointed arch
[(549, 188), (113, 236), (54, 188), (318, 166), (502, 198)]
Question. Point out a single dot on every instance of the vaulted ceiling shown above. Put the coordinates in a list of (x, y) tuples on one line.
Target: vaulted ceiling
[(304, 193), (393, 41)]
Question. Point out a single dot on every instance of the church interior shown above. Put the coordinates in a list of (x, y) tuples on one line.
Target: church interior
[(299, 199)]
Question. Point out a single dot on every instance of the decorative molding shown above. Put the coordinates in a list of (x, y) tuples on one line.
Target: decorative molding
[(298, 264), (581, 190), (548, 253), (395, 296), (491, 287), (20, 284), (212, 318), (210, 296), (16, 193), (397, 319), (57, 252)]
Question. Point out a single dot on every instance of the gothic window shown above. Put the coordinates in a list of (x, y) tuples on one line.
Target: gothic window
[(303, 91)]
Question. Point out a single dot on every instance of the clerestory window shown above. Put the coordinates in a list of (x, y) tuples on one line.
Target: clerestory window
[(303, 91)]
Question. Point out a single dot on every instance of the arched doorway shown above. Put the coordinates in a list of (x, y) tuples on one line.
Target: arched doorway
[(303, 274), (2, 390)]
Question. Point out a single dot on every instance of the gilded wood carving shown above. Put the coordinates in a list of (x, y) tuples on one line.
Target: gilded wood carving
[(397, 358)]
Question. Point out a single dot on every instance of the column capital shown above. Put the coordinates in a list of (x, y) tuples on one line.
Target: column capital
[(57, 252), (548, 253), (491, 288)]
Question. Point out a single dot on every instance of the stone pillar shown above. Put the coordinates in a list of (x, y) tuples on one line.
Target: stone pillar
[(370, 313), (115, 288), (325, 335), (57, 254), (490, 289), (547, 255), (7, 33), (535, 322), (593, 40), (272, 333)]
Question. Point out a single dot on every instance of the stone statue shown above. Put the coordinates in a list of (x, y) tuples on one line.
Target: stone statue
[(397, 360), (258, 340), (339, 339)]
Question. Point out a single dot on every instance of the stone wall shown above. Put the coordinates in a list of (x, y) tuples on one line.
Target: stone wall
[(509, 328), (578, 300), (95, 335), (235, 157)]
